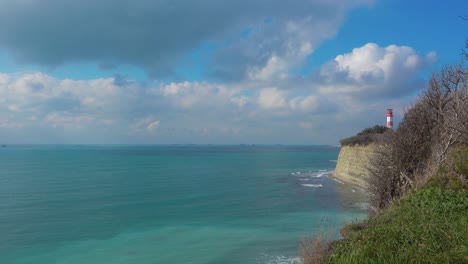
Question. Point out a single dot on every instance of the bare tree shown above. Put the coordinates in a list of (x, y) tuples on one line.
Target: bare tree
[(405, 154), (464, 52), (447, 100), (430, 129)]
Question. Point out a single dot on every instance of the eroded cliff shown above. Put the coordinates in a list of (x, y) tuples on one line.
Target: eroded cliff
[(353, 164)]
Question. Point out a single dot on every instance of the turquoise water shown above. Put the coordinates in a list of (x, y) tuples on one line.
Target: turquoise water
[(167, 204)]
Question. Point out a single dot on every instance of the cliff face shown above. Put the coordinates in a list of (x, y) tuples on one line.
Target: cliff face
[(354, 163)]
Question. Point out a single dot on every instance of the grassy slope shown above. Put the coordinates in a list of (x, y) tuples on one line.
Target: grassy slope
[(428, 226)]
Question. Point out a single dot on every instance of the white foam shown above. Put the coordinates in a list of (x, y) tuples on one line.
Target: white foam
[(337, 180), (283, 260), (311, 174), (319, 175), (312, 185), (303, 179), (334, 161)]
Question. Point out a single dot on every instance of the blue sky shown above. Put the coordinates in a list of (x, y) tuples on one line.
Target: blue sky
[(219, 72)]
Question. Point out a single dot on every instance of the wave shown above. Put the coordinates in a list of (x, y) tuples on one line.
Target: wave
[(338, 181), (283, 260), (311, 174), (321, 174), (312, 185), (334, 161)]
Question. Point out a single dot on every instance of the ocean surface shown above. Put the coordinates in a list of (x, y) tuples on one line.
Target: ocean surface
[(168, 204)]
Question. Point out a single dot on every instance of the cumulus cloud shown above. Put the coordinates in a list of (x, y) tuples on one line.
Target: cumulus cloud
[(372, 70), (275, 68)]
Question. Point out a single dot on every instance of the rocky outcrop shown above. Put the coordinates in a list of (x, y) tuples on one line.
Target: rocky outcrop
[(354, 163)]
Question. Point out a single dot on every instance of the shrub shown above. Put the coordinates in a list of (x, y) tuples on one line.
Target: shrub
[(377, 129), (313, 250), (375, 134), (460, 160)]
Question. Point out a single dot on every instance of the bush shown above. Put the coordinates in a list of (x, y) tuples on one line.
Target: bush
[(377, 129), (314, 250), (375, 134), (460, 161)]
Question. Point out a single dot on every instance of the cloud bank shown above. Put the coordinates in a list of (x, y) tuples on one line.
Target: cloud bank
[(349, 92)]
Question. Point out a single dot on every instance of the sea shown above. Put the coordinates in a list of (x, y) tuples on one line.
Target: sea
[(198, 204)]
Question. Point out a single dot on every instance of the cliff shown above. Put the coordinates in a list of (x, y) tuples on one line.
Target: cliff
[(354, 163)]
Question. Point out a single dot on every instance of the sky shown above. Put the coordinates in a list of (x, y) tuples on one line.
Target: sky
[(216, 72)]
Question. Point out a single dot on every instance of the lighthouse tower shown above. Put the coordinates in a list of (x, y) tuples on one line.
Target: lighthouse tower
[(390, 118)]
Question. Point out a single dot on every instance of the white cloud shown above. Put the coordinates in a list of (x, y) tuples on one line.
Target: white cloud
[(307, 104), (374, 69), (271, 98), (68, 120), (188, 95), (275, 68), (348, 92), (153, 126), (240, 101), (148, 124)]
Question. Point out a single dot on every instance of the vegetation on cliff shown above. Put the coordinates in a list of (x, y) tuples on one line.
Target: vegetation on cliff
[(429, 131), (426, 226), (418, 185), (374, 134)]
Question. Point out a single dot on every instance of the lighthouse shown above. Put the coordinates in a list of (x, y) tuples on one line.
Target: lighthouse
[(390, 118)]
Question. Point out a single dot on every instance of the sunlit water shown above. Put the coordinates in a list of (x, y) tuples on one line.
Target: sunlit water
[(167, 204)]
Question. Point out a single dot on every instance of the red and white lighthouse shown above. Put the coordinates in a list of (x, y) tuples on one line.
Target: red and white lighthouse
[(390, 118)]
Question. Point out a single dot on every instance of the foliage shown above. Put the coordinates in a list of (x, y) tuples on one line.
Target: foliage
[(460, 161), (377, 129), (426, 226), (374, 134), (314, 250), (429, 226)]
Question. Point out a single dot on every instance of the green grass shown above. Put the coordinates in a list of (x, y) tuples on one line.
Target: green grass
[(428, 226)]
